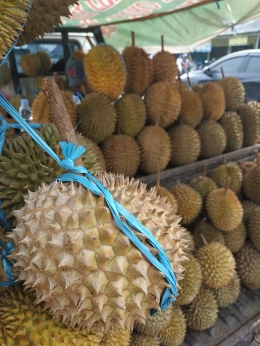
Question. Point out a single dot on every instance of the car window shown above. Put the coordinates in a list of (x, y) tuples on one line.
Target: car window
[(229, 65), (253, 65), (55, 50)]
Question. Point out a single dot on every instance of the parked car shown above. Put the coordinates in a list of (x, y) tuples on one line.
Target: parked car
[(244, 65)]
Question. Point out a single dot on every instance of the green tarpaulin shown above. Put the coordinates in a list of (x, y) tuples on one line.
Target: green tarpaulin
[(184, 23)]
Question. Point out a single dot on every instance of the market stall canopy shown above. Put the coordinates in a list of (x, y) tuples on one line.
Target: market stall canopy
[(184, 23)]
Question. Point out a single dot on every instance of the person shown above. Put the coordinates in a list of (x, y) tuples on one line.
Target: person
[(77, 79)]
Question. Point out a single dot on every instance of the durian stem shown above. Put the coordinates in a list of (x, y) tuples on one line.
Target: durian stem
[(188, 77), (227, 185), (158, 179), (203, 239), (90, 42), (133, 38), (162, 43), (59, 112), (205, 169), (222, 72)]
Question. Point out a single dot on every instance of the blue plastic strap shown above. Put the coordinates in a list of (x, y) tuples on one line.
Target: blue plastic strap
[(7, 249)]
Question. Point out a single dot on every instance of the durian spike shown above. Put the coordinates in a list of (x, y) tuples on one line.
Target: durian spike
[(222, 72), (158, 179), (90, 42), (203, 239), (188, 78), (59, 112), (133, 38), (227, 185), (162, 43)]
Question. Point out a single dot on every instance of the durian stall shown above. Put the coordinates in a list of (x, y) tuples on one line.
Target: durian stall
[(89, 255)]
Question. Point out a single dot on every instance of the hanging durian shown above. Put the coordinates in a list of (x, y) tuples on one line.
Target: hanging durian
[(131, 114), (228, 170), (191, 107), (213, 100), (232, 125), (228, 294), (122, 155), (163, 104), (234, 92), (5, 74), (251, 183), (155, 148), (209, 232), (251, 125), (46, 62), (96, 117), (31, 64)]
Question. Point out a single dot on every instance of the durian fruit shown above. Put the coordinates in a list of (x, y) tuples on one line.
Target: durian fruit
[(24, 166), (106, 70), (251, 125), (254, 229), (185, 145), (46, 62), (203, 185), (155, 146), (255, 106), (163, 104), (213, 100), (90, 145), (190, 241), (25, 323), (36, 82), (94, 274), (209, 232), (15, 101), (122, 154), (234, 240), (234, 92), (96, 117), (131, 114), (5, 74), (248, 266), (202, 313), (163, 192), (228, 294), (174, 332), (224, 209), (191, 108), (249, 208), (213, 138), (61, 82), (217, 264), (117, 337), (189, 202), (164, 66), (180, 85), (13, 15), (144, 340), (232, 125), (251, 183), (157, 322), (231, 170), (196, 87), (43, 17), (139, 69), (78, 54), (31, 64), (191, 283)]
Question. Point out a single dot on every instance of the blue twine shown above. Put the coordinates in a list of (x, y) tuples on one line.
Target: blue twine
[(71, 152), (7, 249)]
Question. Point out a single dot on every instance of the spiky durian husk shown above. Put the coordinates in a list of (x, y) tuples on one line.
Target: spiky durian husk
[(15, 101), (155, 148), (117, 336), (163, 104), (157, 322), (203, 185), (210, 233), (24, 166), (234, 240), (24, 323), (13, 15), (191, 283), (163, 192), (212, 137), (106, 71), (180, 86), (144, 340), (89, 268), (191, 108), (43, 17), (202, 313), (173, 334), (249, 207), (46, 62), (139, 70), (254, 229), (248, 266), (41, 110), (5, 74), (217, 264), (189, 202), (213, 100), (31, 64), (91, 145), (251, 184), (251, 125), (228, 294), (231, 170), (224, 209), (96, 117), (232, 125), (122, 155), (165, 67), (185, 145), (131, 114), (234, 92), (255, 106), (190, 239)]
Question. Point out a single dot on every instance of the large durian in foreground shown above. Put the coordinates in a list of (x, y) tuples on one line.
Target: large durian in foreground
[(81, 265), (163, 104), (24, 323), (213, 100), (232, 125), (96, 117), (234, 92), (191, 107), (24, 166), (106, 70), (231, 170), (251, 125)]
